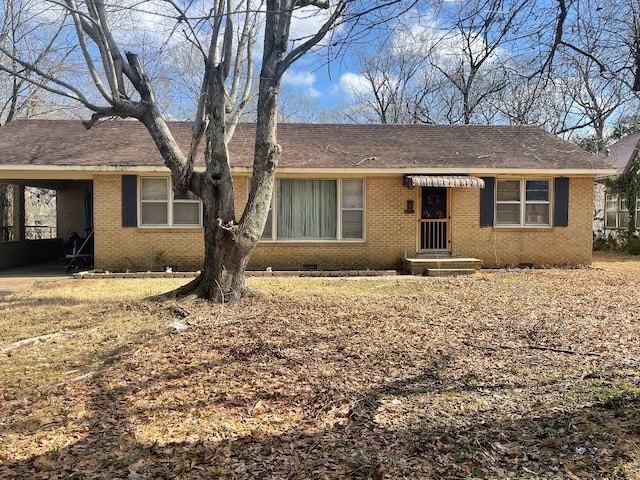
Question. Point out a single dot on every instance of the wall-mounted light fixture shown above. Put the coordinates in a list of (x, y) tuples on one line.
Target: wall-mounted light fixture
[(409, 208)]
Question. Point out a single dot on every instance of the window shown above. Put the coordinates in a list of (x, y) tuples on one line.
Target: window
[(159, 206), (522, 202), (616, 212), (316, 209), (352, 209)]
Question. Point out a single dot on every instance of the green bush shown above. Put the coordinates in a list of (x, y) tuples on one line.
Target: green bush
[(633, 246)]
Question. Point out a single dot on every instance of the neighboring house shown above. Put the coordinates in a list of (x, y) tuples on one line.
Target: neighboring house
[(347, 196), (611, 215)]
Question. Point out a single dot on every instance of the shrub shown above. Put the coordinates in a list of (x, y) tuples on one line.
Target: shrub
[(633, 246)]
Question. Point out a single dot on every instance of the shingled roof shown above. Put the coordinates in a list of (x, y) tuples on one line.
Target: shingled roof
[(622, 153), (127, 144)]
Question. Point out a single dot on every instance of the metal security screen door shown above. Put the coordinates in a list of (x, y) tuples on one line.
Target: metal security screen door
[(434, 219)]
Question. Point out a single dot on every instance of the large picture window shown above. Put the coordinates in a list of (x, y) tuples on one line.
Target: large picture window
[(522, 202), (617, 212), (316, 209), (160, 207)]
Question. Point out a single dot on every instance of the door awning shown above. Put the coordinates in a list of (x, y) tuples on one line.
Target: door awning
[(447, 181)]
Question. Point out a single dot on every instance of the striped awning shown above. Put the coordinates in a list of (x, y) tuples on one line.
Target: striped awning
[(447, 181)]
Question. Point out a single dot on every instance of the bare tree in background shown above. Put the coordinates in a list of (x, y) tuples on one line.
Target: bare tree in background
[(594, 54), (22, 96), (393, 86), (448, 64), (566, 66)]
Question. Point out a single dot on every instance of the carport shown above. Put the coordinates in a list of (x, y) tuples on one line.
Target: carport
[(73, 214)]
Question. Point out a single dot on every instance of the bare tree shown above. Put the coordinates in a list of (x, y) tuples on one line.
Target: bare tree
[(448, 68), (393, 85), (22, 96), (472, 56), (607, 32), (230, 28)]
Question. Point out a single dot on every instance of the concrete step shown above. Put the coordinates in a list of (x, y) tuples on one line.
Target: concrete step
[(419, 266), (431, 255), (448, 272)]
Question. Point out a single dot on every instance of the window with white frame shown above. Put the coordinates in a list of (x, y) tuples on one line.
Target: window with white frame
[(617, 213), (316, 209), (352, 209), (522, 202), (160, 207)]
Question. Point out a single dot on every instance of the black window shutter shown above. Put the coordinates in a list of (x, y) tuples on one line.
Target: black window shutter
[(129, 201), (487, 201), (561, 205)]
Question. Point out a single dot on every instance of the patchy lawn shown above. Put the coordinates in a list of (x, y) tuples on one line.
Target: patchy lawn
[(508, 374)]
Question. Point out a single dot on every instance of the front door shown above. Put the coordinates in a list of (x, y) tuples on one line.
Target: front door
[(434, 219)]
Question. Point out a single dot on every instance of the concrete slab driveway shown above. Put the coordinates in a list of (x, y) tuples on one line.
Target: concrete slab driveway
[(16, 279)]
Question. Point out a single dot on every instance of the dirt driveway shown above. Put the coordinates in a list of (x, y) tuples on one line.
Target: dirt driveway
[(15, 279)]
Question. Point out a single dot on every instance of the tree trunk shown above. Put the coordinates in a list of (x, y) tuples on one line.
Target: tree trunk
[(225, 259), (224, 265)]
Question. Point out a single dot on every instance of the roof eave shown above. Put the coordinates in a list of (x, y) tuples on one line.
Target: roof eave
[(488, 172), (87, 171)]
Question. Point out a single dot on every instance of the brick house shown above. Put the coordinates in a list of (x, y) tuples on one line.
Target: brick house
[(611, 215), (347, 196)]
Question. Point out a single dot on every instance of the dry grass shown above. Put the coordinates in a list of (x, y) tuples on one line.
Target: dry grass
[(508, 374), (616, 261)]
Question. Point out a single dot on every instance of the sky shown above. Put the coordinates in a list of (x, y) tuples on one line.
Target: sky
[(311, 84), (149, 28)]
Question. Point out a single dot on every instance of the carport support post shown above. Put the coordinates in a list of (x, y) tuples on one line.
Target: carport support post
[(19, 213)]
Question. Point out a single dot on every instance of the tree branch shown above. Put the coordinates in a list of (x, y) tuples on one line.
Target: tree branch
[(316, 3), (300, 50), (78, 23), (559, 30), (76, 95)]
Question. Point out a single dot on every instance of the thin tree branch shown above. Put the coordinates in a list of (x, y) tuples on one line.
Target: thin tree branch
[(77, 20), (300, 50), (559, 30), (77, 94)]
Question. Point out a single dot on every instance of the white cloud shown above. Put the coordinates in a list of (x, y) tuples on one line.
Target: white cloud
[(353, 85), (299, 79), (302, 83), (313, 92)]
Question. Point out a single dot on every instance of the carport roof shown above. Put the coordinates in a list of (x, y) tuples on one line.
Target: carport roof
[(410, 148)]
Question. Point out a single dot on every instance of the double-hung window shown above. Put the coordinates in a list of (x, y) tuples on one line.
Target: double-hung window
[(316, 209), (160, 207), (617, 212), (522, 202), (352, 209)]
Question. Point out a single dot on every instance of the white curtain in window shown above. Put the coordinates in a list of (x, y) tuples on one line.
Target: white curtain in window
[(508, 202), (307, 209)]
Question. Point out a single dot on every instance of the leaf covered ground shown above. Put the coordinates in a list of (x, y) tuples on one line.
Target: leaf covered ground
[(520, 374)]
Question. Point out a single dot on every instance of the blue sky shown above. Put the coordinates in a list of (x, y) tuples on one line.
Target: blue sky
[(313, 82)]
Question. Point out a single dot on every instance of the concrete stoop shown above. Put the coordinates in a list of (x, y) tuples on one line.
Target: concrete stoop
[(440, 265)]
